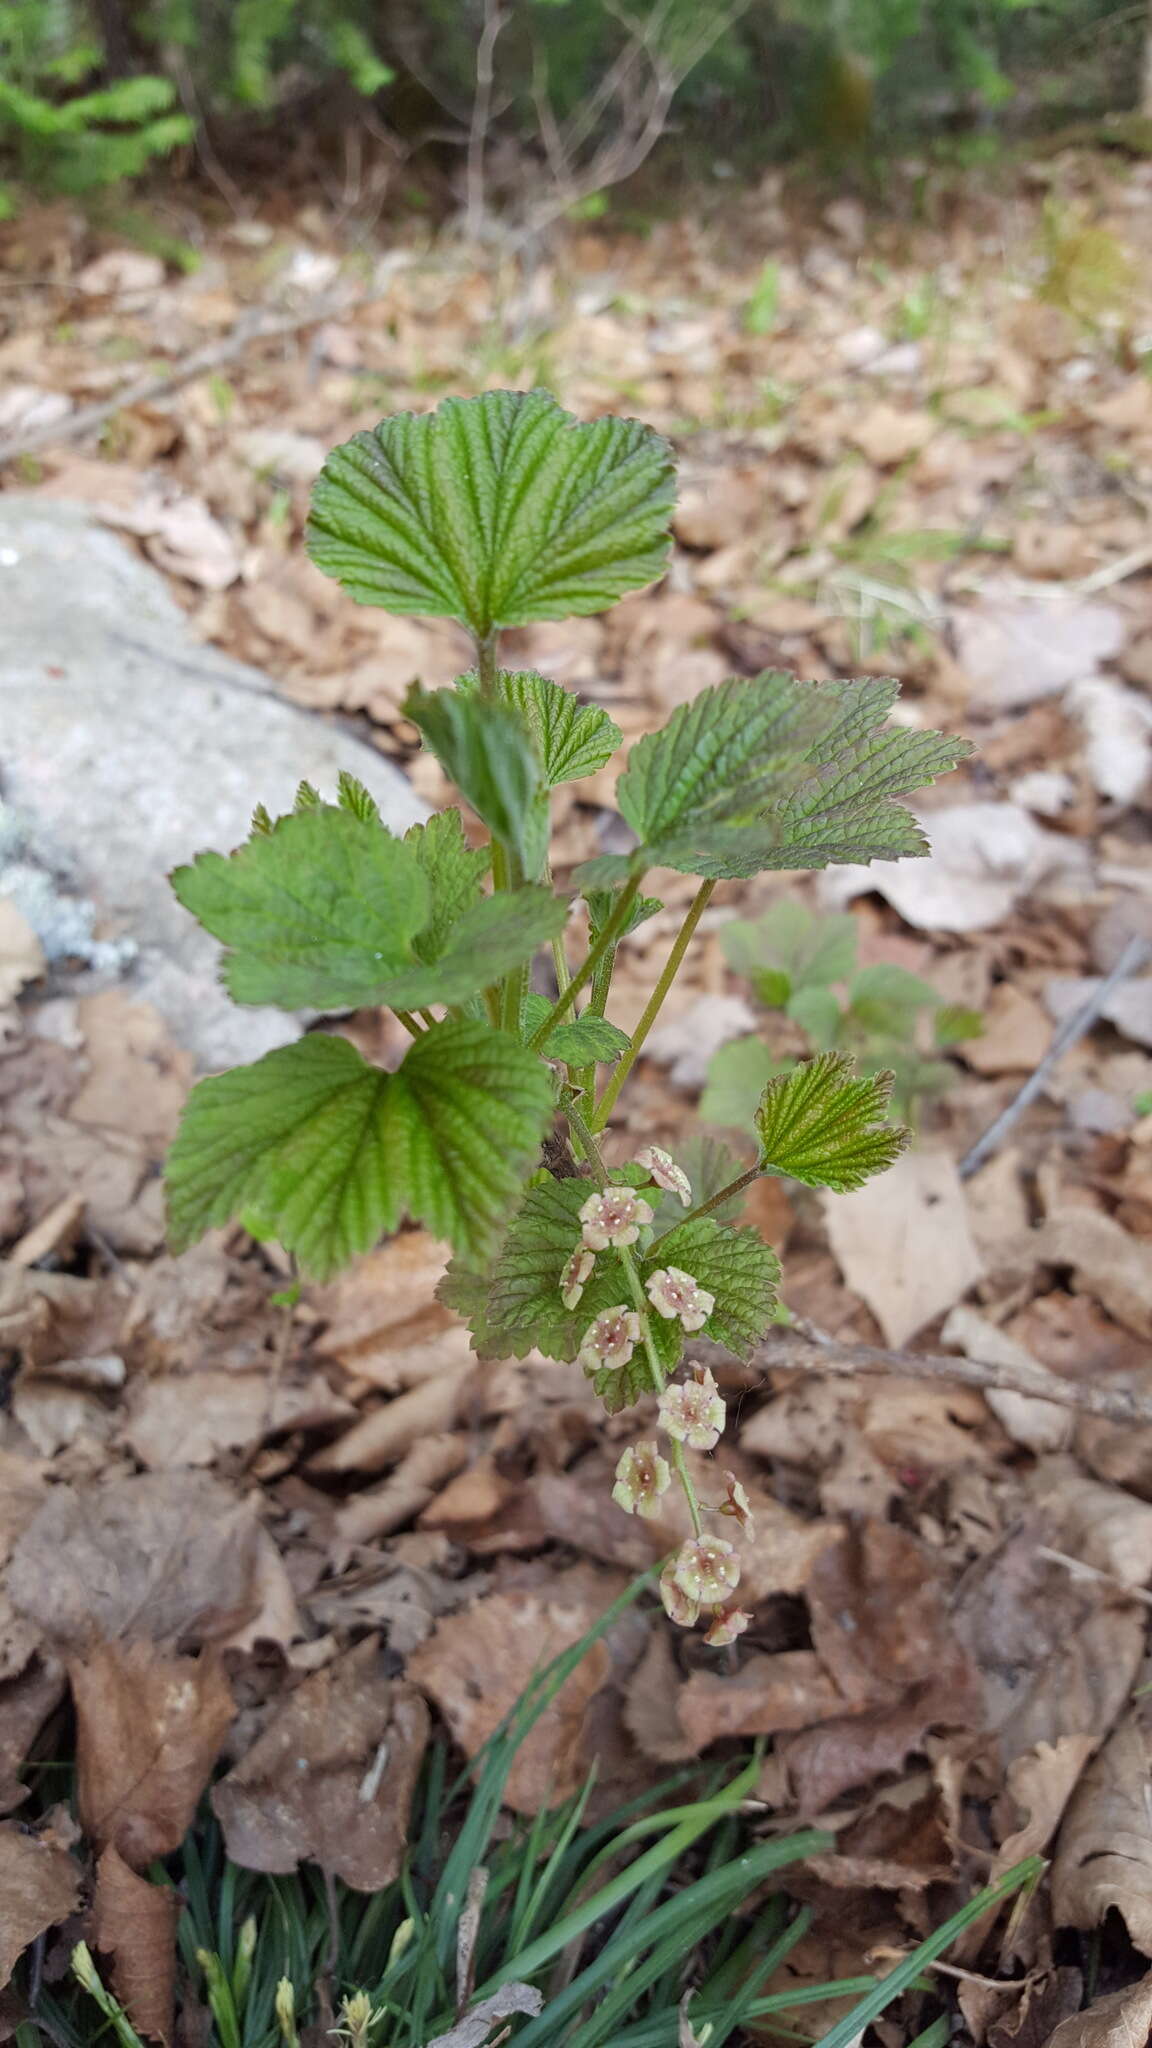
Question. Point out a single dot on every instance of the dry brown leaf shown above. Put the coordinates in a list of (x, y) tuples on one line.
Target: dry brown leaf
[(385, 1303), (984, 858), (651, 1701), (475, 2028), (1121, 2019), (478, 1663), (887, 435), (137, 1077), (277, 1617), (997, 1204), (135, 1923), (1038, 1786), (429, 1408), (1104, 1854), (149, 1729), (1015, 1037), (901, 1842), (1105, 1260), (903, 1243), (331, 1778), (170, 1558), (21, 954), (1017, 644), (25, 1704), (766, 1695), (191, 1418), (1038, 1424), (417, 1479), (39, 1887)]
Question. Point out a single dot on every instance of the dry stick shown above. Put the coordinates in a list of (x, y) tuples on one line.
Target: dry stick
[(1137, 953), (252, 328), (795, 1351)]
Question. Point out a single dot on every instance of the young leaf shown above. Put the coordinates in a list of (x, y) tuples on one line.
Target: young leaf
[(734, 1265), (454, 872), (775, 773), (524, 1308), (352, 796), (818, 1013), (822, 1124), (737, 1077), (328, 911), (812, 950), (485, 749), (494, 510), (320, 911), (571, 739), (331, 1152), (585, 1041)]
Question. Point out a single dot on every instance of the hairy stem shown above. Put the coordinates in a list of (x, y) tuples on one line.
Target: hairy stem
[(591, 1150), (486, 663), (584, 973), (671, 968)]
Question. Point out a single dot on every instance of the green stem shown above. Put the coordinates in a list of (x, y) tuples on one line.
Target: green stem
[(584, 973), (486, 662), (592, 1153), (409, 1023), (652, 1009), (716, 1201)]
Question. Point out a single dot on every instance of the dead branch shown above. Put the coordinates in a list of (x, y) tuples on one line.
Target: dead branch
[(256, 326), (804, 1350), (1137, 953), (475, 190)]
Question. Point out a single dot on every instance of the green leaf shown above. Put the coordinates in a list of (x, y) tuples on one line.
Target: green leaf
[(817, 1011), (352, 796), (320, 911), (524, 1310), (584, 1042), (953, 1024), (328, 911), (602, 902), (884, 1000), (454, 872), (571, 739), (485, 750), (812, 950), (822, 1124), (494, 510), (774, 773), (737, 1076), (333, 1152), (736, 1266)]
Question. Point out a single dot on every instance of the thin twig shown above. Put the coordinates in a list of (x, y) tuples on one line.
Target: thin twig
[(796, 1350), (475, 202), (254, 327), (1137, 953)]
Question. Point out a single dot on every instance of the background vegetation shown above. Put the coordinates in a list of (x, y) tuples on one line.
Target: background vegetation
[(92, 91)]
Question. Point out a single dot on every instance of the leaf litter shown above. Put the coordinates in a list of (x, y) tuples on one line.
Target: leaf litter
[(237, 1534)]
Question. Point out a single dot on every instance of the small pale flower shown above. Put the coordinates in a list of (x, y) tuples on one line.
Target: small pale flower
[(575, 1273), (727, 1624), (675, 1294), (642, 1475), (665, 1172), (738, 1505), (679, 1606), (694, 1413), (707, 1569), (611, 1339), (615, 1217)]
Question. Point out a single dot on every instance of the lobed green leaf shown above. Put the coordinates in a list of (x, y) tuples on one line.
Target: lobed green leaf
[(485, 749), (774, 773), (733, 1264), (571, 739), (330, 1152), (494, 510), (823, 1124), (586, 1041)]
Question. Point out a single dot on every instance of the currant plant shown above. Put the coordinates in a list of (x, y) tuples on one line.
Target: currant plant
[(497, 511)]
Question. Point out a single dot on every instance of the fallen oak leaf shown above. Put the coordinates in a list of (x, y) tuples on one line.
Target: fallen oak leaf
[(134, 1922), (39, 1887), (1119, 2020), (1104, 1854), (332, 1776), (149, 1730)]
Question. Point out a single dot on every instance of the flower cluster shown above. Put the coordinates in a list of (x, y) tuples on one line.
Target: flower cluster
[(705, 1571)]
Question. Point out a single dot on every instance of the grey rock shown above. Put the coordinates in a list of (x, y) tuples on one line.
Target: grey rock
[(127, 746)]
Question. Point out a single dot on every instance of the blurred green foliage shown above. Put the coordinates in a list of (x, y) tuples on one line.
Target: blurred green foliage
[(92, 91)]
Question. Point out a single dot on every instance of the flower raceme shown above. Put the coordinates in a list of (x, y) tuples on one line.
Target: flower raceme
[(502, 511)]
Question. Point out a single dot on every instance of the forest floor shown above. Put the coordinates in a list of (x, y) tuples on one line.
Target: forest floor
[(915, 440)]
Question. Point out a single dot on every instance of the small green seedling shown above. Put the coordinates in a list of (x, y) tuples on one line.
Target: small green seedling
[(498, 511), (804, 965)]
